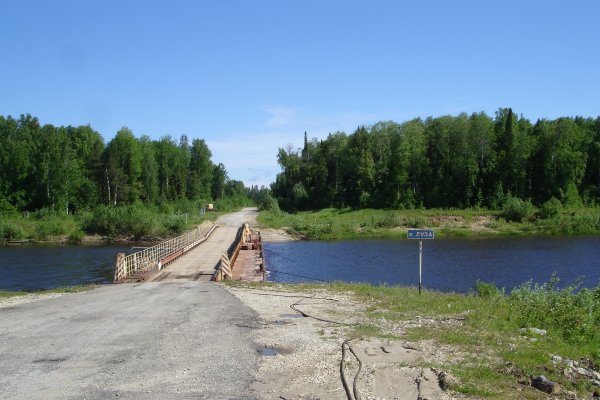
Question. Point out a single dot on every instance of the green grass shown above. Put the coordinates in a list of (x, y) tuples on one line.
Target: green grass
[(490, 336), (354, 224), (4, 294)]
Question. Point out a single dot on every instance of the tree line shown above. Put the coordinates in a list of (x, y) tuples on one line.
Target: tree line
[(445, 162), (70, 168)]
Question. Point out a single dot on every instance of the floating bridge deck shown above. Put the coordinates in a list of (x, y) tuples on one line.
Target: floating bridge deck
[(200, 263), (206, 253)]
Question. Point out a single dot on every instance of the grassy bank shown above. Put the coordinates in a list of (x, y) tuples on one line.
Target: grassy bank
[(132, 222), (350, 224), (493, 355), (483, 339)]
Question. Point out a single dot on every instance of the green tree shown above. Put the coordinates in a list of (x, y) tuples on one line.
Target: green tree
[(166, 157), (201, 169), (481, 136), (149, 173), (359, 169), (123, 168), (218, 182)]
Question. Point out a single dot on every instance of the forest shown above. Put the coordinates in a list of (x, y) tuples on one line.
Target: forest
[(68, 169), (449, 162)]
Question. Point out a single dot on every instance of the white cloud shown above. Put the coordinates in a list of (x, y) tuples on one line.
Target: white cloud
[(280, 116)]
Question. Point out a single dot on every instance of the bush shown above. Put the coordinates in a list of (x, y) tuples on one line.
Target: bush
[(10, 231), (550, 209), (516, 210), (122, 220), (174, 224), (76, 236), (7, 209), (45, 229), (269, 204), (389, 220), (572, 313), (487, 290), (571, 196)]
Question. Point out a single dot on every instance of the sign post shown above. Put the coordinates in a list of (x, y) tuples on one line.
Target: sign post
[(420, 234)]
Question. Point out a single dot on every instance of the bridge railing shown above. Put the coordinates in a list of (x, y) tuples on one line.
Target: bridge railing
[(225, 268), (158, 256)]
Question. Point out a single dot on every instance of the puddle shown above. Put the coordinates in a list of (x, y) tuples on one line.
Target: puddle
[(268, 352), (280, 322), (273, 351), (292, 315)]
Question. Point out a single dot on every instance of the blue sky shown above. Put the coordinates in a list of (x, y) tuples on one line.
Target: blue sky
[(252, 76)]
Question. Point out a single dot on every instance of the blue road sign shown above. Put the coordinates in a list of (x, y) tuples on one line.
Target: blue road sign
[(420, 234)]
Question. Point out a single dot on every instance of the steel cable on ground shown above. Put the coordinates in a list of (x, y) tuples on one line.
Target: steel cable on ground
[(304, 314), (355, 383), (355, 393), (343, 373), (267, 293), (298, 276)]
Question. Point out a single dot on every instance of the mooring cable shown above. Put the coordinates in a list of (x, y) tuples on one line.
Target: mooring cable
[(271, 293), (343, 373), (297, 276), (355, 383), (304, 314)]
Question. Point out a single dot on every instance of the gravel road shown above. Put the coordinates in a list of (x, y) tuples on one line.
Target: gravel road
[(132, 341), (154, 340)]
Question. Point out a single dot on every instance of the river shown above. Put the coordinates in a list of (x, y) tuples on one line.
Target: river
[(448, 264), (30, 267)]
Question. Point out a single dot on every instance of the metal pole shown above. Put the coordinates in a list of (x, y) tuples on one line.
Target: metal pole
[(420, 262)]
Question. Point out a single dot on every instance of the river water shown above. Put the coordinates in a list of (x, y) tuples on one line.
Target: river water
[(448, 264), (31, 267)]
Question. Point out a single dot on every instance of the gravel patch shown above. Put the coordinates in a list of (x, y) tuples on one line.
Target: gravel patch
[(10, 302), (303, 354)]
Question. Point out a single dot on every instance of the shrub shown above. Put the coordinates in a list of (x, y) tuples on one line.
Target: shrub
[(10, 231), (572, 313), (389, 220), (7, 209), (269, 204), (45, 229), (76, 236), (550, 209), (122, 220), (515, 209), (487, 290), (571, 196), (174, 224)]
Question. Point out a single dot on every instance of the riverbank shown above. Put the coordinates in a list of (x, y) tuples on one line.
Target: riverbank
[(130, 225), (354, 224), (433, 345)]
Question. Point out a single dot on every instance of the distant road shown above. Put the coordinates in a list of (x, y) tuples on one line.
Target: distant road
[(236, 219), (156, 340)]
